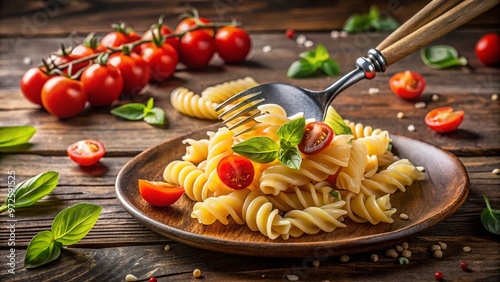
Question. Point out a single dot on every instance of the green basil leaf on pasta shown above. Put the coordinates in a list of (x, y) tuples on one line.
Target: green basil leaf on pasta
[(155, 117), (41, 250), (258, 149), (31, 190), (15, 135), (73, 223), (292, 131), (335, 194), (290, 158), (131, 111), (336, 122)]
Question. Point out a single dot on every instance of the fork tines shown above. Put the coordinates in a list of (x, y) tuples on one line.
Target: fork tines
[(252, 100)]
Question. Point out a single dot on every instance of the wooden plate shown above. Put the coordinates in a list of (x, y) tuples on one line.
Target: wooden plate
[(426, 202)]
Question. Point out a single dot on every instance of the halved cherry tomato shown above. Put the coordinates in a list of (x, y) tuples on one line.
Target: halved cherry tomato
[(160, 194), (444, 119), (32, 83), (317, 136), (236, 171), (189, 23), (233, 44), (488, 49), (196, 49), (86, 152), (63, 97), (407, 85)]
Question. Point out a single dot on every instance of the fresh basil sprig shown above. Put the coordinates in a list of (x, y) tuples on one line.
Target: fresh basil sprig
[(30, 191), (441, 57), (68, 228), (15, 135), (336, 122), (490, 218), (263, 149), (137, 111), (373, 20), (311, 61)]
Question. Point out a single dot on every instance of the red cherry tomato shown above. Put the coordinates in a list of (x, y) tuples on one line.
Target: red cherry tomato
[(134, 70), (160, 194), (32, 83), (81, 51), (317, 136), (444, 119), (196, 49), (233, 44), (162, 60), (63, 97), (86, 152), (332, 178), (119, 37), (164, 30), (407, 85), (235, 171), (62, 59), (189, 23), (488, 49), (102, 84)]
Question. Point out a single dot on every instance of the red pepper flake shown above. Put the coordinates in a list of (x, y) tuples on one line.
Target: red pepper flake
[(439, 275), (290, 33)]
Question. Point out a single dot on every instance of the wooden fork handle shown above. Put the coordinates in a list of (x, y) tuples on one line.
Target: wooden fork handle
[(452, 19)]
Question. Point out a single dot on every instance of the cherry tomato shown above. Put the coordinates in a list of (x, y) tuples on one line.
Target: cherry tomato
[(196, 49), (64, 58), (488, 49), (407, 85), (164, 30), (444, 119), (102, 84), (32, 83), (332, 178), (160, 194), (162, 60), (134, 70), (189, 23), (86, 152), (63, 97), (317, 136), (235, 171), (233, 44), (88, 47), (121, 35)]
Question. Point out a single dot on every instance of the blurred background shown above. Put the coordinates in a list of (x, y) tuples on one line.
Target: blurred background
[(32, 18)]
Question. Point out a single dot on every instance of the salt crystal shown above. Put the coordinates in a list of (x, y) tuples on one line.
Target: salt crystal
[(420, 105), (267, 49), (301, 39), (411, 127), (334, 34), (308, 43)]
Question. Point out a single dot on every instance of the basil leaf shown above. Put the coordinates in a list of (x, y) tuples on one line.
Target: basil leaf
[(155, 117), (336, 122), (31, 190), (330, 67), (258, 149), (15, 135), (131, 111), (301, 68), (374, 13), (310, 56), (321, 53), (149, 104), (357, 23), (372, 20), (73, 223), (41, 250), (490, 218), (292, 131), (385, 24), (290, 157), (442, 56), (336, 195)]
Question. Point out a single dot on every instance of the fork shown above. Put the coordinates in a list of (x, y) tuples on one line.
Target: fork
[(436, 19)]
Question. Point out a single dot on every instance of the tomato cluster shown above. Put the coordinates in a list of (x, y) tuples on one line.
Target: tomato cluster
[(123, 62)]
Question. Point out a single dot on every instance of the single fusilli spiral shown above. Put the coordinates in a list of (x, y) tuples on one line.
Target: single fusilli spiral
[(302, 197), (223, 91), (196, 150), (374, 210), (188, 103), (219, 208), (187, 175)]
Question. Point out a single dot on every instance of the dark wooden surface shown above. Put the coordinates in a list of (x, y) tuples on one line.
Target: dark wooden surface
[(119, 245)]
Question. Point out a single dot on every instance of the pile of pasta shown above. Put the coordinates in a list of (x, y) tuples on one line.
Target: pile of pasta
[(284, 202)]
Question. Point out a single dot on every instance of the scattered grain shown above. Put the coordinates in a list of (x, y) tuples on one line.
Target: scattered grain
[(335, 34), (292, 277), (27, 61), (316, 263), (130, 278), (467, 249), (442, 245), (404, 216), (267, 49), (411, 127), (263, 275), (392, 253), (420, 168), (344, 258), (437, 254), (403, 260), (167, 248), (406, 253), (401, 115), (301, 39), (374, 257), (496, 171), (343, 33), (399, 248), (435, 248), (494, 97), (373, 90), (420, 105), (405, 245), (196, 273), (435, 97)]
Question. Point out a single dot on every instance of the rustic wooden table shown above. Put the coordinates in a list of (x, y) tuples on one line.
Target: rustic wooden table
[(119, 245)]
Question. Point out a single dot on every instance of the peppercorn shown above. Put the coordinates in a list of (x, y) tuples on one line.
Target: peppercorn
[(153, 279), (439, 275), (464, 266)]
